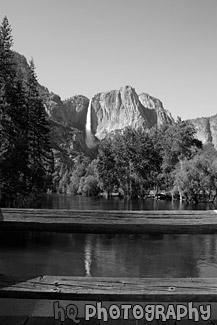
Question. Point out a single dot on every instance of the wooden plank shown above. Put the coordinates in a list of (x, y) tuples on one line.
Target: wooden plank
[(92, 321), (13, 320), (24, 320), (99, 221), (157, 322), (43, 321), (119, 322), (110, 289), (142, 212)]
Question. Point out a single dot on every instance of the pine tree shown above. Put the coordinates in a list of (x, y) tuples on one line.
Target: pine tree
[(6, 82), (10, 119), (40, 153), (26, 159)]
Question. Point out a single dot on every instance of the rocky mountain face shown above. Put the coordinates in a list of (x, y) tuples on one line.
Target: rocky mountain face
[(110, 111), (118, 109), (206, 129), (71, 112), (159, 113)]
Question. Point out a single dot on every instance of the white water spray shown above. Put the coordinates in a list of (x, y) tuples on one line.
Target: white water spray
[(90, 142)]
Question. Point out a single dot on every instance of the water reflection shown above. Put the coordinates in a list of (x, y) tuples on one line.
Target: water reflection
[(88, 254), (145, 256), (111, 255), (57, 201)]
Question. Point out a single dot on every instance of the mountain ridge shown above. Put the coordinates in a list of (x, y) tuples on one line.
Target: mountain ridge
[(109, 112), (73, 111)]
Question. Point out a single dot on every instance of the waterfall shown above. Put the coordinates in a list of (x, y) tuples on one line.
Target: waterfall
[(88, 255), (90, 142)]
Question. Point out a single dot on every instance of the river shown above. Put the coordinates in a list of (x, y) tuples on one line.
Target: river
[(110, 255), (57, 201)]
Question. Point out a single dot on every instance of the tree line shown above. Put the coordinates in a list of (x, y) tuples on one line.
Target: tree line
[(135, 162), (26, 159)]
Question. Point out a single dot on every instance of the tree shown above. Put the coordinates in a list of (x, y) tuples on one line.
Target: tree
[(106, 166), (197, 179), (39, 147), (147, 160), (129, 162), (138, 162), (12, 123), (81, 163), (88, 186), (26, 161), (176, 143)]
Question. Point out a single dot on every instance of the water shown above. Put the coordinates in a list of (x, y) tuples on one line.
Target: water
[(110, 255), (56, 201)]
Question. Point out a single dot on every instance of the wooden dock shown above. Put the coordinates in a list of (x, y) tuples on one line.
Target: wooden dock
[(25, 320), (100, 221), (109, 289), (106, 289)]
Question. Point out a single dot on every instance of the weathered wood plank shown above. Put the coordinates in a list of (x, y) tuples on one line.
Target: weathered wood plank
[(110, 289), (120, 322), (22, 320), (43, 321), (51, 321), (92, 321), (13, 320), (99, 221), (57, 211)]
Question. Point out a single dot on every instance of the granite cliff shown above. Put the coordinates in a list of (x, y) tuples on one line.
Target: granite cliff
[(159, 114), (71, 112), (110, 111), (117, 109), (206, 129)]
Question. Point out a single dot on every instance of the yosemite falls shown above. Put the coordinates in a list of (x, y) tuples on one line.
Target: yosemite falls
[(90, 142)]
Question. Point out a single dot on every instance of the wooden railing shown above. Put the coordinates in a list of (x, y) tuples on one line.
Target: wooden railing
[(108, 289), (100, 221)]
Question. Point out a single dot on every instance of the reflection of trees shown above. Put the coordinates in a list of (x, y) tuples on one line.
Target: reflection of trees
[(151, 256), (110, 255), (208, 247)]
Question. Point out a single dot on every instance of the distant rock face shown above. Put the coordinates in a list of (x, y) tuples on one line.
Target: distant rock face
[(76, 111), (54, 108), (71, 112), (160, 114), (206, 128), (117, 109)]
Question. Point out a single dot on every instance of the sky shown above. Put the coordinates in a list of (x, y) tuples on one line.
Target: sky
[(166, 48)]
